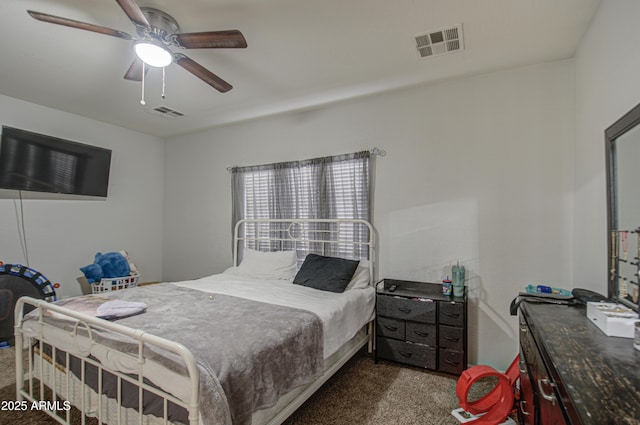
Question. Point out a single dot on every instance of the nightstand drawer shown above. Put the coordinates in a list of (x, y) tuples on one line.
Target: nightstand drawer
[(407, 352), (451, 337), (421, 333), (390, 328), (406, 309), (451, 314), (451, 361)]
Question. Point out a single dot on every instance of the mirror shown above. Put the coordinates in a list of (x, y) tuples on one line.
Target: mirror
[(622, 141)]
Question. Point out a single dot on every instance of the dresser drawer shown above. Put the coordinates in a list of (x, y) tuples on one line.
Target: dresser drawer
[(549, 407), (422, 333), (407, 352), (451, 337), (407, 309), (390, 328), (527, 403), (451, 361), (451, 313)]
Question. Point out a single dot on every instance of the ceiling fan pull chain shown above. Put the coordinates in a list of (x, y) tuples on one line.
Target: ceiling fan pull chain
[(163, 82), (142, 102)]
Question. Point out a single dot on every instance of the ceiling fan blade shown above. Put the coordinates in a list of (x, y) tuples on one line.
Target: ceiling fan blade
[(132, 10), (212, 40), (77, 24), (201, 72), (134, 73)]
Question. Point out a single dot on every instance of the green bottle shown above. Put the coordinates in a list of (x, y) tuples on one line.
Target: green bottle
[(457, 272)]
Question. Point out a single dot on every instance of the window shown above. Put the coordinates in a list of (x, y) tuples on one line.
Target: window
[(322, 188)]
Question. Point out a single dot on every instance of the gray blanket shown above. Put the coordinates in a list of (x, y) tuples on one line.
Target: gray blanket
[(249, 353)]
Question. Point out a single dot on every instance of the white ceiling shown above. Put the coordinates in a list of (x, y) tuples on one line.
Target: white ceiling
[(300, 54)]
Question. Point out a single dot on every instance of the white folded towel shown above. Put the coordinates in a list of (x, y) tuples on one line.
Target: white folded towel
[(118, 308)]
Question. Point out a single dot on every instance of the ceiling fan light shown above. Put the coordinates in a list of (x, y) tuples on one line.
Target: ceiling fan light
[(152, 54)]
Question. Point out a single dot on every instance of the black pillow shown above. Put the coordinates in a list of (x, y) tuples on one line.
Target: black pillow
[(326, 273)]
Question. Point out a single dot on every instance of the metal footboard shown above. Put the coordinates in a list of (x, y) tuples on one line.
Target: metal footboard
[(47, 382)]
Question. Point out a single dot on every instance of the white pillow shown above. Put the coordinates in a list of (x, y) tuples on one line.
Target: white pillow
[(267, 265), (360, 278)]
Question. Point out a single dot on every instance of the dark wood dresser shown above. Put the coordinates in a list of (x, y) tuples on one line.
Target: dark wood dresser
[(572, 373), (418, 326)]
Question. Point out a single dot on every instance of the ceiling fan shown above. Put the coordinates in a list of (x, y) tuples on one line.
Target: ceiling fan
[(157, 31)]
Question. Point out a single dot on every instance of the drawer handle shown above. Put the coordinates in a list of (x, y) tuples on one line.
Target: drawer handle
[(391, 328), (420, 333), (456, 315), (405, 354), (448, 338), (522, 367), (450, 362), (548, 397), (523, 408), (404, 310)]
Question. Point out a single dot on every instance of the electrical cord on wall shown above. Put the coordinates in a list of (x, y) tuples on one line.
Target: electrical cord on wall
[(21, 228)]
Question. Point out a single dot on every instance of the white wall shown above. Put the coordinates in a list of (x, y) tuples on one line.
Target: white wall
[(64, 234), (477, 170), (607, 70)]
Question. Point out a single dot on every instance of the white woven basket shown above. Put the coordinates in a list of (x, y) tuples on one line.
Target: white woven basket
[(115, 284)]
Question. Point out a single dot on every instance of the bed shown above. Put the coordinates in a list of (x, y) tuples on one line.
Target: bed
[(246, 346)]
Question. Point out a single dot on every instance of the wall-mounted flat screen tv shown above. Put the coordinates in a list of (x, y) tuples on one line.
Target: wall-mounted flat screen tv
[(35, 162)]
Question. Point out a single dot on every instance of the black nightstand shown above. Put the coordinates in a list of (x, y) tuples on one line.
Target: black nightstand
[(418, 326)]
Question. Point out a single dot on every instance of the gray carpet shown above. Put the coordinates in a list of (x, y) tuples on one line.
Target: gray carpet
[(362, 392)]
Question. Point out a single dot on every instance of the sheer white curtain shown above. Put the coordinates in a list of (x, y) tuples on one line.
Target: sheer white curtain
[(321, 188)]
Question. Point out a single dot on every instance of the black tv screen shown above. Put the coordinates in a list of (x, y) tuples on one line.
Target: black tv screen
[(39, 163)]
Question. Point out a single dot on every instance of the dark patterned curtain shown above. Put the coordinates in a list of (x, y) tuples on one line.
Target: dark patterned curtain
[(334, 187)]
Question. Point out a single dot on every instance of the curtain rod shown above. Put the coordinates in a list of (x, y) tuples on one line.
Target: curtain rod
[(372, 151)]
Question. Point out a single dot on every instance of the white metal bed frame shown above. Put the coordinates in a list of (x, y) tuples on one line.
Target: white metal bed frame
[(298, 234)]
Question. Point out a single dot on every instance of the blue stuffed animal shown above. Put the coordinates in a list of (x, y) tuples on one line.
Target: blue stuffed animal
[(105, 266)]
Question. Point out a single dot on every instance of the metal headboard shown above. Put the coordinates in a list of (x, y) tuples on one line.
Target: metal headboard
[(345, 238)]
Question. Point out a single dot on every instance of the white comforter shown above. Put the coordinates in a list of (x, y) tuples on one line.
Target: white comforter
[(342, 314)]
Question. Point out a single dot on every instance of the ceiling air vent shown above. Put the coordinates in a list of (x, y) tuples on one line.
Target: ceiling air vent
[(165, 112), (439, 42)]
